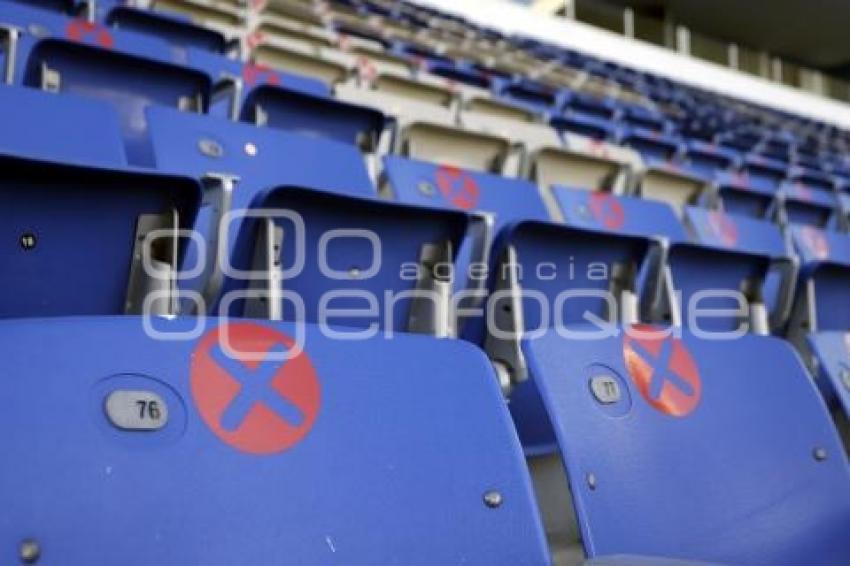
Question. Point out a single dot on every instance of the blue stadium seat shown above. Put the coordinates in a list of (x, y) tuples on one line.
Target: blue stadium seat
[(778, 149), (707, 158), (56, 6), (37, 18), (129, 71), (39, 125), (492, 201), (641, 117), (584, 125), (811, 204), (178, 31), (533, 96), (760, 237), (333, 194), (327, 460), (545, 275), (463, 75), (827, 353), (591, 106), (500, 199), (626, 215), (75, 238), (235, 80), (238, 162), (699, 462), (370, 255), (290, 207), (738, 196), (652, 145), (195, 145), (819, 321), (708, 259), (763, 173), (306, 114)]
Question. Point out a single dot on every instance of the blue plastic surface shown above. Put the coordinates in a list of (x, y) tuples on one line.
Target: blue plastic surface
[(388, 473), (120, 75), (618, 214), (83, 223), (39, 125), (306, 114), (733, 481), (177, 31)]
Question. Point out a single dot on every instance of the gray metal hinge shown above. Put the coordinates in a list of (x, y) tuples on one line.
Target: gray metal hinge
[(51, 80), (431, 310), (503, 342), (267, 258), (154, 265), (218, 194)]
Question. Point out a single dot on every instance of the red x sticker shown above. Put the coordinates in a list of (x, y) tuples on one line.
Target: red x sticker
[(723, 228), (458, 187), (607, 210), (803, 191), (741, 179), (663, 370), (815, 241), (83, 31), (254, 73), (257, 406)]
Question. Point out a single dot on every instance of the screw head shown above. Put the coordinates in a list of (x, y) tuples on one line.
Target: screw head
[(210, 148), (426, 188), (493, 499), (28, 241), (251, 149), (819, 454), (354, 273), (591, 481), (29, 551)]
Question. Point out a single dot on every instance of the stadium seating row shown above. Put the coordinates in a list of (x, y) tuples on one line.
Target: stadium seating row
[(378, 161)]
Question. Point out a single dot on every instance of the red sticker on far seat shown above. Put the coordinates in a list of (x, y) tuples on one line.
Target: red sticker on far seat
[(815, 241), (607, 210), (723, 227), (254, 73), (663, 370), (89, 32), (458, 187), (247, 393)]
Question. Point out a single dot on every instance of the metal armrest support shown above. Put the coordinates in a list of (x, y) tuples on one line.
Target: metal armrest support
[(218, 194), (229, 86), (10, 41)]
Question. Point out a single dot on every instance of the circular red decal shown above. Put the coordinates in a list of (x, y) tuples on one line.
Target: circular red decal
[(458, 187), (803, 191), (254, 400), (663, 370), (254, 73), (723, 227), (607, 210), (816, 242), (89, 32)]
